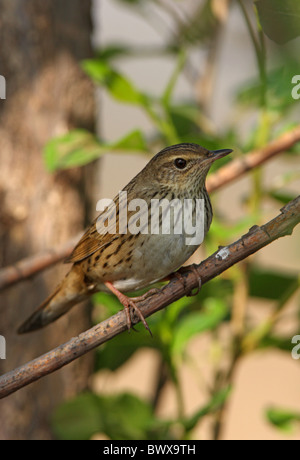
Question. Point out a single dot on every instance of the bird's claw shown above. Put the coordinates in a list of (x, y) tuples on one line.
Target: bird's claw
[(181, 278)]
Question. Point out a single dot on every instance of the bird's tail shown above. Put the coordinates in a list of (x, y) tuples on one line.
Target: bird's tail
[(71, 290)]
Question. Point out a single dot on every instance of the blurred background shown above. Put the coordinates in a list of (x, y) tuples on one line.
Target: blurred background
[(93, 90)]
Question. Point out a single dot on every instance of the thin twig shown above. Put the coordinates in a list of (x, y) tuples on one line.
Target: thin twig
[(237, 168), (30, 266), (253, 241)]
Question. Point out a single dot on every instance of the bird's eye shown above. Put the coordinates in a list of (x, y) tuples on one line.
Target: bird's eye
[(180, 163)]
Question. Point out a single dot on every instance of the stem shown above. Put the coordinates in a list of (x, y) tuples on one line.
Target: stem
[(161, 379), (174, 77), (166, 129), (263, 131), (262, 136), (252, 340), (260, 52), (249, 26), (238, 327), (223, 383), (240, 298), (179, 396)]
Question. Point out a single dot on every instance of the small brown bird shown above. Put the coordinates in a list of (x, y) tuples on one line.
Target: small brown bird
[(122, 255)]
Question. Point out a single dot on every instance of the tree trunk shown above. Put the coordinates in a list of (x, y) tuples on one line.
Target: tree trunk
[(41, 44)]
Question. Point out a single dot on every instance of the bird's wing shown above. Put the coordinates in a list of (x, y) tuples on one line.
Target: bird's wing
[(108, 222), (90, 242), (93, 239)]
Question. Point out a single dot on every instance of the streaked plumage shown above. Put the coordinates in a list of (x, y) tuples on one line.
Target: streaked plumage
[(127, 262)]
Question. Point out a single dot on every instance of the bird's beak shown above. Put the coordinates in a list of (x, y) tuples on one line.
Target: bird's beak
[(214, 155)]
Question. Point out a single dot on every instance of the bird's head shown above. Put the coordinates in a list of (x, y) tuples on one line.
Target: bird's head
[(182, 167)]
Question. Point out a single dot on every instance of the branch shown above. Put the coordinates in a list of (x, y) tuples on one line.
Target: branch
[(217, 263), (236, 168), (30, 266)]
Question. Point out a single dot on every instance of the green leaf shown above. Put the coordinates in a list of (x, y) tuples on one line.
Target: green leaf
[(269, 284), (224, 232), (280, 19), (127, 417), (134, 141), (282, 418), (185, 118), (113, 51), (116, 352), (78, 419), (120, 417), (111, 302), (80, 147), (201, 25), (273, 341), (217, 287), (279, 87), (215, 311), (76, 148), (119, 87), (282, 196), (177, 308), (217, 401)]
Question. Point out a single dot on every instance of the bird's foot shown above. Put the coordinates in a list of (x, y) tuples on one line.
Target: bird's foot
[(179, 275), (130, 302)]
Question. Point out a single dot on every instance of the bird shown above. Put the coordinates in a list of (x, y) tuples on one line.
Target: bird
[(117, 258)]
